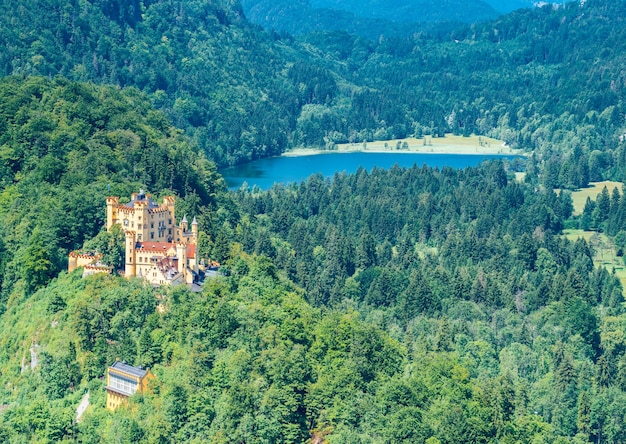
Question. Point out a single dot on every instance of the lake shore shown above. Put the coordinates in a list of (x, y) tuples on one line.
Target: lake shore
[(450, 144)]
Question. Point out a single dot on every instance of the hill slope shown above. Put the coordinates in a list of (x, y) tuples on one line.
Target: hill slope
[(203, 64), (548, 80), (65, 146)]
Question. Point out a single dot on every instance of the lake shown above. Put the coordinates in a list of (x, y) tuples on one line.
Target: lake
[(266, 172)]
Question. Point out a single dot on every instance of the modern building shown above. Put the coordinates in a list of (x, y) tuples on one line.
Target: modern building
[(123, 381)]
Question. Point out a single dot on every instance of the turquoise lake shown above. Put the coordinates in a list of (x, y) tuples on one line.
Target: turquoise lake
[(264, 173)]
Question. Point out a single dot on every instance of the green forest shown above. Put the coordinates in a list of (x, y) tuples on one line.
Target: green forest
[(418, 305)]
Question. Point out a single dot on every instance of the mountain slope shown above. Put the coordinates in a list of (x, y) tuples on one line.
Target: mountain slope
[(545, 79), (204, 65), (505, 6), (412, 11)]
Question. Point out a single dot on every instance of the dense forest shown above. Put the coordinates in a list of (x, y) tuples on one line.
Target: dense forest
[(409, 305), (386, 306)]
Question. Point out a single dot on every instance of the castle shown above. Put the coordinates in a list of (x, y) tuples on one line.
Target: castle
[(157, 249), (89, 261)]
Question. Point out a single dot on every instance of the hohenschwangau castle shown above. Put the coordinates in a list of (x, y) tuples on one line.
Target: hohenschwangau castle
[(157, 249)]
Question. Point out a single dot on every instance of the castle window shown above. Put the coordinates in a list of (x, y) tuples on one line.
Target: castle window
[(125, 222), (152, 235), (151, 224), (139, 226)]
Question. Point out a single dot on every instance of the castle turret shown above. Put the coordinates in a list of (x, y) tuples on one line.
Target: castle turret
[(184, 225), (194, 230), (112, 203), (131, 241), (181, 254)]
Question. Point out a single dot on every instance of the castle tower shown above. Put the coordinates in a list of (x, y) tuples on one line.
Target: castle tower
[(169, 202), (112, 203), (194, 230), (131, 240), (72, 262), (181, 254), (142, 221), (184, 225)]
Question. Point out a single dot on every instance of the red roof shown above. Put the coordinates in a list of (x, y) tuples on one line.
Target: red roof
[(155, 246), (191, 251), (162, 247)]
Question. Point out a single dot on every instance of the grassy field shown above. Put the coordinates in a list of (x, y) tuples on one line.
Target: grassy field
[(449, 144), (604, 255), (580, 196)]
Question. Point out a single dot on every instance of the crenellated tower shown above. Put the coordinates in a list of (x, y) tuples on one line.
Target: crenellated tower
[(112, 213), (130, 268)]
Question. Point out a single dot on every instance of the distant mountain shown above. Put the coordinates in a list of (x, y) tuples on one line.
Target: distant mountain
[(420, 11), (369, 18)]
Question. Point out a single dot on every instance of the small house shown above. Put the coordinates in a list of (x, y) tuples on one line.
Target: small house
[(123, 381)]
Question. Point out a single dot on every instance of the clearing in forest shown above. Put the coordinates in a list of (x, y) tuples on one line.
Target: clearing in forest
[(604, 252), (450, 144), (579, 197)]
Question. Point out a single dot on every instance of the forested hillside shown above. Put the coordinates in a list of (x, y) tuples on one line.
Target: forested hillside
[(200, 61), (546, 79), (466, 266), (397, 306), (64, 147)]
